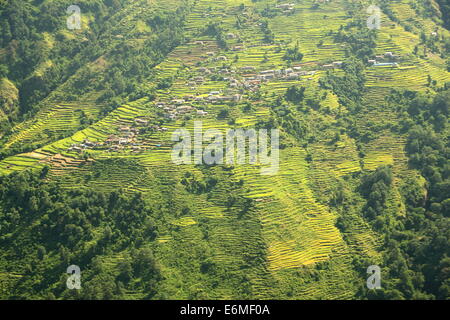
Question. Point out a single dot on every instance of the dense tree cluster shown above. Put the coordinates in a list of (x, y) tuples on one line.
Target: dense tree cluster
[(293, 54), (44, 229), (416, 252), (445, 10)]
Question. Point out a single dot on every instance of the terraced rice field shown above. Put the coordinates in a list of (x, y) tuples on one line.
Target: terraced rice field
[(296, 231)]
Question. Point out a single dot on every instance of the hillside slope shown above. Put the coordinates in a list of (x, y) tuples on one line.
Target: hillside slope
[(352, 185)]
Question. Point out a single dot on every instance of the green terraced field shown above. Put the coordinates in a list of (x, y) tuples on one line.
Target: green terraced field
[(286, 239)]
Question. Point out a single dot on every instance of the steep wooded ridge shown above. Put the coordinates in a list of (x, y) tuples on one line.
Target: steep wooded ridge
[(87, 178)]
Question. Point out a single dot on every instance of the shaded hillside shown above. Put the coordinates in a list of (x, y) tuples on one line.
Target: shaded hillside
[(9, 100)]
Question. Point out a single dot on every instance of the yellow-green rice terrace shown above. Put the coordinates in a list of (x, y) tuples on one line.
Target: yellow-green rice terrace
[(91, 100)]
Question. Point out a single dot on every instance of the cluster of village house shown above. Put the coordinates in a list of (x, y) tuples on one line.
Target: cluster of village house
[(387, 59), (251, 78), (293, 73), (333, 65), (247, 79), (181, 106), (286, 7), (126, 137)]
